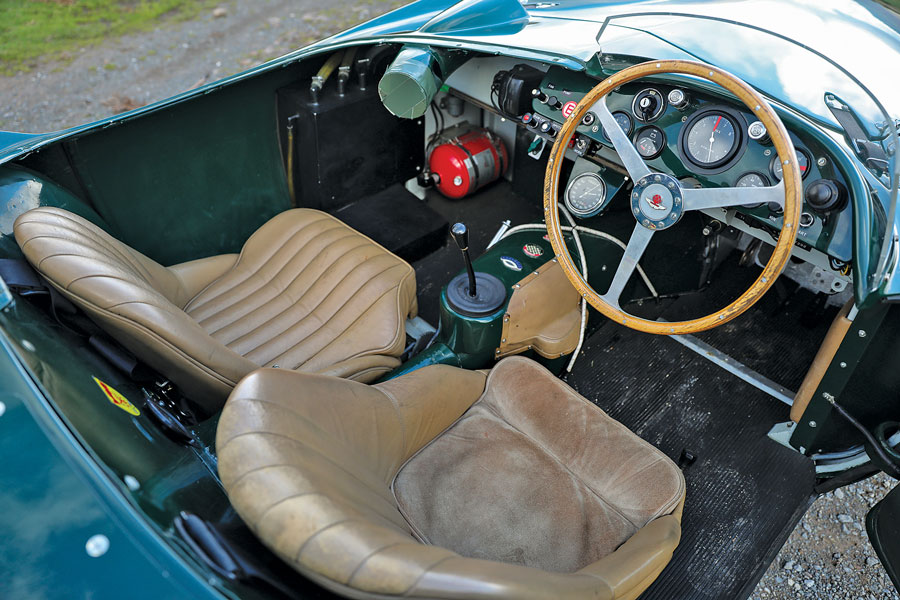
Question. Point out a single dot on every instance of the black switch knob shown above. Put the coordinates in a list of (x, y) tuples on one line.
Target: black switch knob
[(460, 234), (825, 195), (539, 95), (553, 102)]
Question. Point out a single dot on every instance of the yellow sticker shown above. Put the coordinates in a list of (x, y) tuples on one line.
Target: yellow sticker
[(117, 398)]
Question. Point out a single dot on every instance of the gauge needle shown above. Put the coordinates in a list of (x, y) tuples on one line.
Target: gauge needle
[(712, 139)]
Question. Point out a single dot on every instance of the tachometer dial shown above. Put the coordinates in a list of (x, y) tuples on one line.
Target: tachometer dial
[(711, 139), (802, 163), (752, 179), (650, 142), (585, 195), (624, 121)]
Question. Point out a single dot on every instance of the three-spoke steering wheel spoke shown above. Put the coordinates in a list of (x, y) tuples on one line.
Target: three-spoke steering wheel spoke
[(727, 197), (628, 154), (640, 239)]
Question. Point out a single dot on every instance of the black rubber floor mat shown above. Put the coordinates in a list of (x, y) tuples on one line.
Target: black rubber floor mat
[(745, 493)]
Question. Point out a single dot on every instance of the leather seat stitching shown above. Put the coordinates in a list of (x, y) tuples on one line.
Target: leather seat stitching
[(301, 443), (257, 297), (336, 337), (400, 330), (370, 555), (293, 304), (268, 282), (85, 231), (428, 570), (316, 534), (259, 263), (290, 236)]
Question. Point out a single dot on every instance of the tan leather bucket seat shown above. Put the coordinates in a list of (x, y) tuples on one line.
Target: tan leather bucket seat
[(446, 483), (306, 292)]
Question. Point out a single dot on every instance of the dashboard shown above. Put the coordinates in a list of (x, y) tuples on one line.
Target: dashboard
[(703, 140)]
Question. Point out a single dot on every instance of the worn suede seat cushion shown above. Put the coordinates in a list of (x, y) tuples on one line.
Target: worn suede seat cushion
[(443, 483), (306, 292), (532, 446)]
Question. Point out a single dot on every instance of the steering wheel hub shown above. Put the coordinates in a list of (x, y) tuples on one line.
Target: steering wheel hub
[(656, 201)]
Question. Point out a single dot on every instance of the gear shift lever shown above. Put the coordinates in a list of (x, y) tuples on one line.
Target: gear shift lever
[(473, 294), (460, 234)]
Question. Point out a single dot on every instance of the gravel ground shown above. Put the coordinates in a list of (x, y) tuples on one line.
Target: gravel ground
[(149, 66), (828, 556)]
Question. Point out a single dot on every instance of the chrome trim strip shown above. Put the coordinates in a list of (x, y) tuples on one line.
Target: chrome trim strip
[(736, 368)]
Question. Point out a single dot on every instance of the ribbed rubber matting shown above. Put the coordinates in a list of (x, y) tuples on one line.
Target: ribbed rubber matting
[(745, 493)]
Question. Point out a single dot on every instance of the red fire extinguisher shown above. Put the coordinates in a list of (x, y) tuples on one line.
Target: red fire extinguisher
[(467, 162)]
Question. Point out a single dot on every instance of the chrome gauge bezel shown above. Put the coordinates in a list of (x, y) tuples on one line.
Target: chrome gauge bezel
[(738, 123), (637, 136), (627, 131), (595, 209), (762, 177), (774, 163)]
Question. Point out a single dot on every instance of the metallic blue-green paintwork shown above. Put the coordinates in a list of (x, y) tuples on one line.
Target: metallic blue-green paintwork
[(54, 497), (77, 494)]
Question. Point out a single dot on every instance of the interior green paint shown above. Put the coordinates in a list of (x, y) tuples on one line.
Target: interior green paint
[(56, 493), (474, 340), (833, 238), (20, 191), (194, 179)]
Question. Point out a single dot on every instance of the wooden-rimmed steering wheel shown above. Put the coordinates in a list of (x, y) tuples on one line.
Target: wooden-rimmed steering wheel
[(658, 201)]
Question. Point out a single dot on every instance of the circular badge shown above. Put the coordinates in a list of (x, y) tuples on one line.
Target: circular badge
[(568, 108), (511, 263), (532, 250)]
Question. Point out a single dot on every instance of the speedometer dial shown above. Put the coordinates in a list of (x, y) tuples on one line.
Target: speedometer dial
[(711, 139), (585, 195)]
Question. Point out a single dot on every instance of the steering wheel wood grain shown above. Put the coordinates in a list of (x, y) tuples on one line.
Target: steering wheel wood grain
[(658, 200)]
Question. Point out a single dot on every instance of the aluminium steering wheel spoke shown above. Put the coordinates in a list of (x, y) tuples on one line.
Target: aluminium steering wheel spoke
[(631, 160), (640, 239), (701, 198)]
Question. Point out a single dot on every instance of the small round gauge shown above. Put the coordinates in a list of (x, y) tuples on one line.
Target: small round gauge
[(585, 194), (711, 139), (752, 179), (624, 121), (802, 163), (648, 105), (650, 142)]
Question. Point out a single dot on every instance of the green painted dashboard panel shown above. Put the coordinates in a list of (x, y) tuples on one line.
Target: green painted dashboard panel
[(831, 233)]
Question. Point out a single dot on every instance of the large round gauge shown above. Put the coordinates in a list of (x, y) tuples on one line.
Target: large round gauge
[(585, 195), (711, 139), (752, 179), (650, 142), (624, 121), (648, 105), (802, 163)]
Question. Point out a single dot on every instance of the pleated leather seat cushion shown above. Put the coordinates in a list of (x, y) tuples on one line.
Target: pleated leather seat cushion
[(509, 476), (306, 292)]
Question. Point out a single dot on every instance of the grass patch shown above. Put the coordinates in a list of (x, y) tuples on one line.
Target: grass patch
[(35, 30)]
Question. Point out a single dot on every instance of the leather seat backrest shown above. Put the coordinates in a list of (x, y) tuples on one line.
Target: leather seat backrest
[(135, 297)]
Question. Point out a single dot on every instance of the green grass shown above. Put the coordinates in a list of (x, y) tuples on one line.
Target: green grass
[(35, 30)]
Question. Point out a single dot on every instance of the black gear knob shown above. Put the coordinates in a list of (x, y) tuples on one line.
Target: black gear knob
[(460, 234)]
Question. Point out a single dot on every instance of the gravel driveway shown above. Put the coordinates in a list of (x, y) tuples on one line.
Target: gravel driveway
[(828, 556)]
